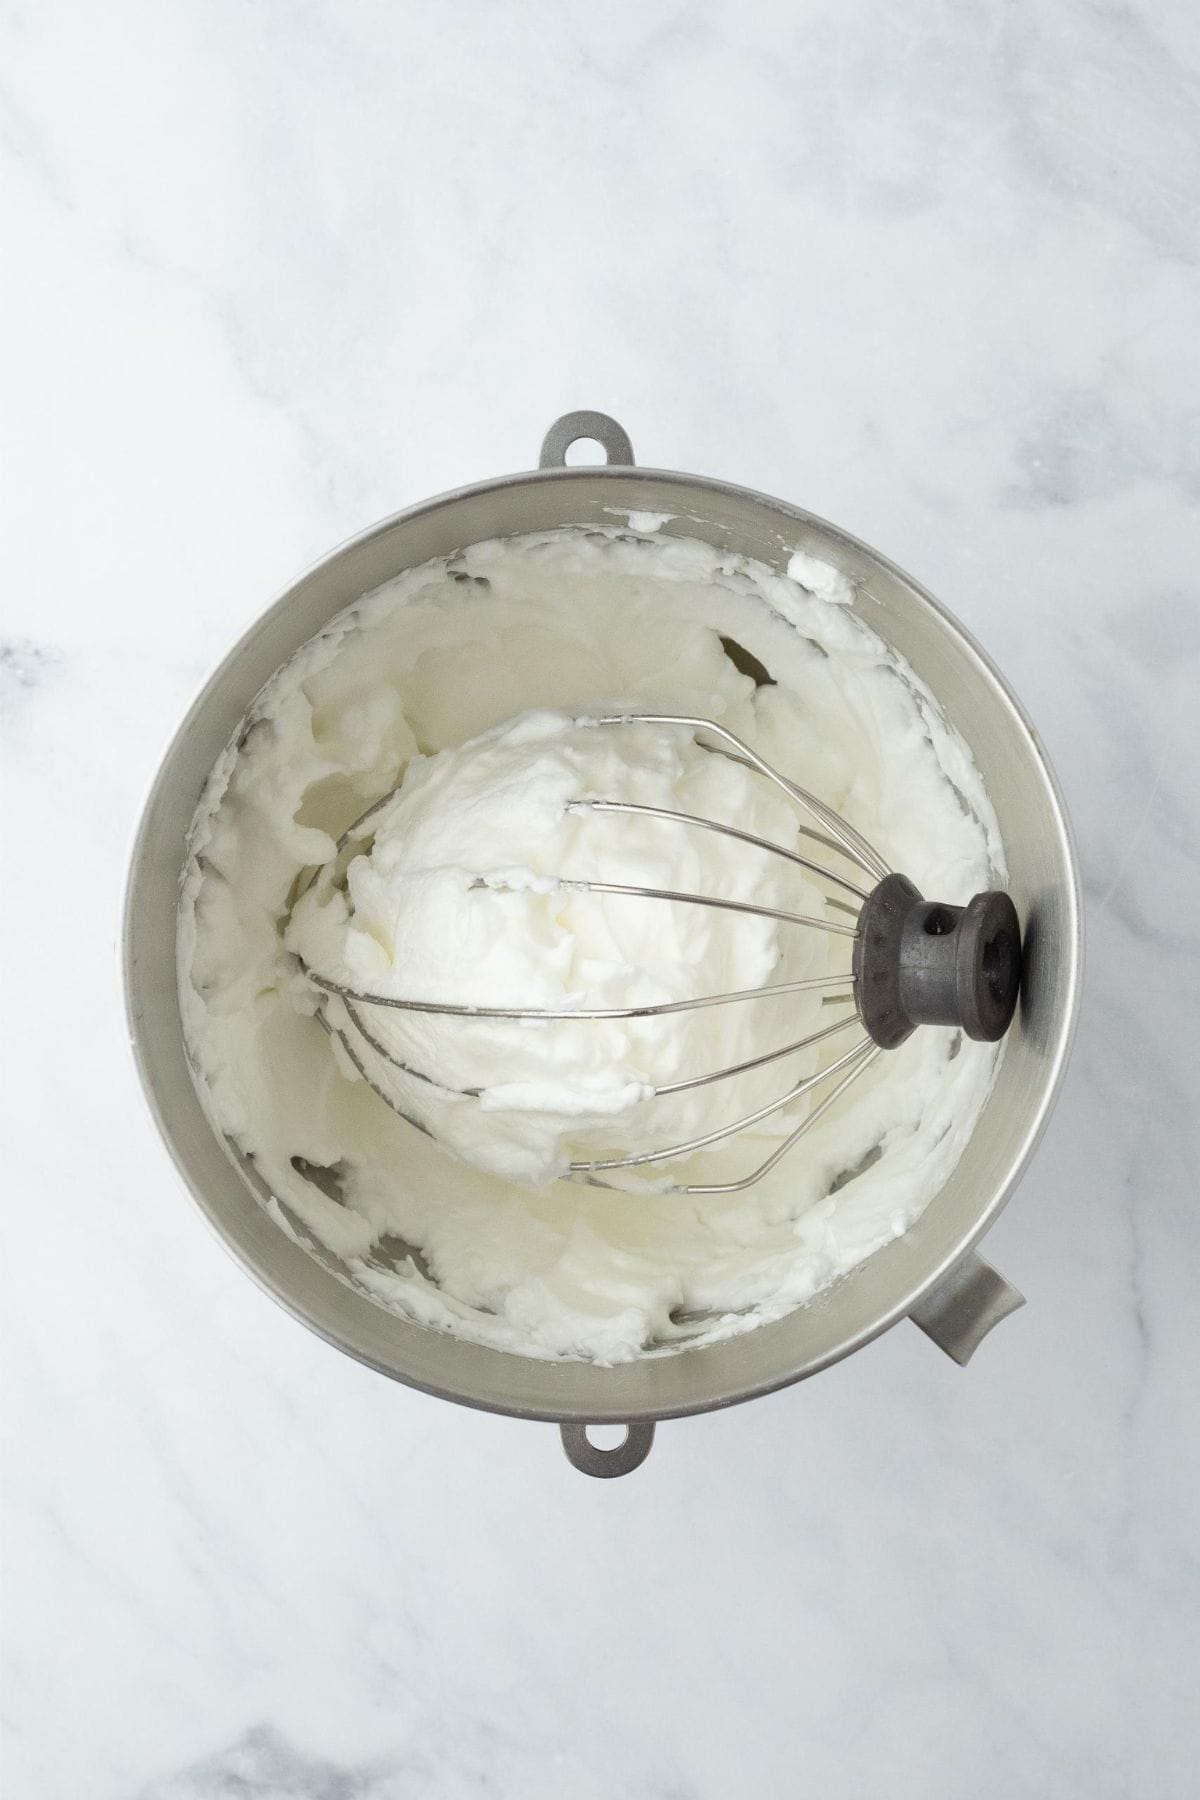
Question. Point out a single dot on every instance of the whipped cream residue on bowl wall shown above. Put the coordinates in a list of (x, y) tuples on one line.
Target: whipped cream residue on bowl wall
[(560, 625)]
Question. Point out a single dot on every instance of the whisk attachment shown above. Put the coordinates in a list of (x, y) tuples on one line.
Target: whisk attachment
[(912, 962), (918, 962)]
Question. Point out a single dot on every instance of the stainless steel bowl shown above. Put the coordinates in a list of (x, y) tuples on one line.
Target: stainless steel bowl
[(932, 1274)]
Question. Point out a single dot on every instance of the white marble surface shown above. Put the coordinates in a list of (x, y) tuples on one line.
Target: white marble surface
[(273, 271)]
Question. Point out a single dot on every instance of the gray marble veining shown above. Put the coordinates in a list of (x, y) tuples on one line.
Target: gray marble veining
[(932, 271)]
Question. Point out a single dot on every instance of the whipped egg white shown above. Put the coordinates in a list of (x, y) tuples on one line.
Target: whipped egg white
[(466, 690)]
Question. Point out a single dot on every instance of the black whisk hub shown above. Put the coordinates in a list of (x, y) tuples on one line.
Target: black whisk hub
[(919, 962)]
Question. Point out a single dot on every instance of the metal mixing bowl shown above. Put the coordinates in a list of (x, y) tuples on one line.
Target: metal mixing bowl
[(932, 1274)]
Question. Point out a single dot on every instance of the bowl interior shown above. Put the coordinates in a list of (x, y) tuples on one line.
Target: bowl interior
[(1043, 882)]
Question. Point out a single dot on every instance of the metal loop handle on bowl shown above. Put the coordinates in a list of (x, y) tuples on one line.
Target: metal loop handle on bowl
[(593, 1459), (964, 1305), (612, 438)]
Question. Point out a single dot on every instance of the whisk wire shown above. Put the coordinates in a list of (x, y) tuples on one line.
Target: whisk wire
[(866, 1054), (642, 1158), (731, 831), (852, 843), (760, 1062), (461, 1010), (636, 891)]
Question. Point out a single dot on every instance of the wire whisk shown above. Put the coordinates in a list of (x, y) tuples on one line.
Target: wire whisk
[(912, 962)]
